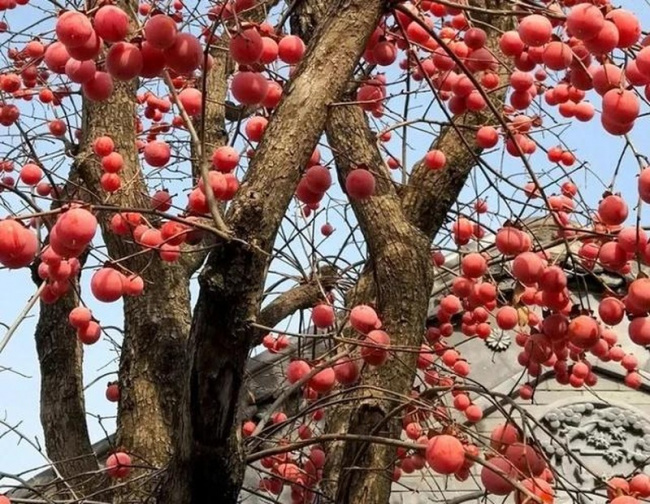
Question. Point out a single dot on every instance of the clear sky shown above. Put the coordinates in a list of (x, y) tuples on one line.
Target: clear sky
[(19, 395)]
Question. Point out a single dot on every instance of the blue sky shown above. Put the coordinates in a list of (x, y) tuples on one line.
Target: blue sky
[(19, 395)]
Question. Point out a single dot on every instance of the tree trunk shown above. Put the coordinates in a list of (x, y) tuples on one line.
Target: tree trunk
[(402, 276), (156, 324), (63, 413), (232, 281), (153, 365), (62, 402), (358, 472), (153, 358)]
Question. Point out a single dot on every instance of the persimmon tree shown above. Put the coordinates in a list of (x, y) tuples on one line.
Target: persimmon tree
[(309, 167)]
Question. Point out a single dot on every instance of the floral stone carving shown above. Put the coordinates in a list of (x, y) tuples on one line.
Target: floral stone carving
[(590, 442)]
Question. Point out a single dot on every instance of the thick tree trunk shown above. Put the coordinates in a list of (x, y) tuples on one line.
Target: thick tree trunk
[(62, 402), (402, 274), (232, 281), (153, 365), (359, 472), (63, 413), (156, 324), (154, 333)]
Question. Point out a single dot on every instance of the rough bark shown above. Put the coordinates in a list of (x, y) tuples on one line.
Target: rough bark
[(62, 402), (358, 472), (153, 359), (156, 324), (402, 276), (232, 282), (63, 413), (429, 195), (153, 363)]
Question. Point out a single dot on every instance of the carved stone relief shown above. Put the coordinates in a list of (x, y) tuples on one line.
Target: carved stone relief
[(589, 442)]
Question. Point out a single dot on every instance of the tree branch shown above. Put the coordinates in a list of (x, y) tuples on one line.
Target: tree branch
[(430, 194), (300, 297), (401, 287)]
